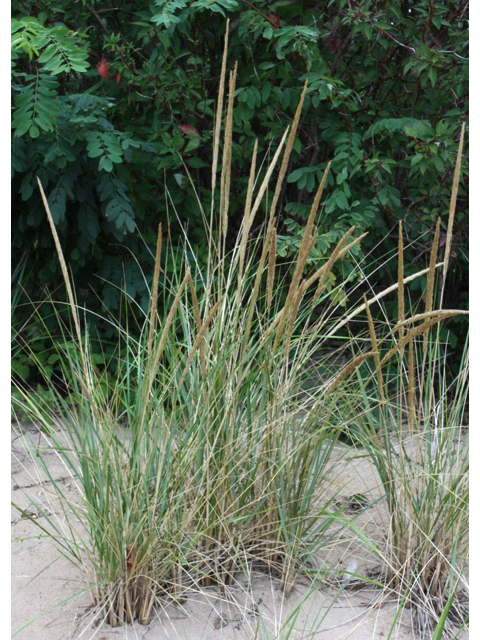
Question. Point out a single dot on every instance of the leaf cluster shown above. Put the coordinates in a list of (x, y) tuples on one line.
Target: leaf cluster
[(387, 93)]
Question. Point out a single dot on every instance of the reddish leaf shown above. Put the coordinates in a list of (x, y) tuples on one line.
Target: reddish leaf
[(118, 78), (189, 130), (275, 20), (103, 69)]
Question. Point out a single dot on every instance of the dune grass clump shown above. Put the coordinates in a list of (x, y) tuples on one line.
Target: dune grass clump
[(412, 427), (214, 470), (418, 444), (209, 453), (419, 448)]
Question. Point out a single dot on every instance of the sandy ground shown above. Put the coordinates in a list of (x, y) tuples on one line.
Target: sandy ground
[(48, 590)]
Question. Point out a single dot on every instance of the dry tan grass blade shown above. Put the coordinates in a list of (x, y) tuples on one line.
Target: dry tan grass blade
[(411, 389), (348, 370), (431, 278), (316, 203), (426, 316), (168, 322), (278, 318), (442, 315), (63, 265), (341, 253), (89, 396), (218, 119), (453, 202), (198, 325), (306, 245), (266, 180), (376, 356), (227, 156), (272, 254), (154, 301), (331, 261), (288, 150), (200, 336), (297, 298), (256, 285), (352, 244), (73, 307), (377, 297), (401, 298), (196, 308), (283, 167), (247, 220), (303, 252), (216, 147), (307, 250)]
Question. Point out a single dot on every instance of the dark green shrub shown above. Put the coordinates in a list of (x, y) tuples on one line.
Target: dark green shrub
[(112, 106)]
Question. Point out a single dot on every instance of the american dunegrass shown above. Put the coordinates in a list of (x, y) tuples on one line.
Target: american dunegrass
[(223, 457)]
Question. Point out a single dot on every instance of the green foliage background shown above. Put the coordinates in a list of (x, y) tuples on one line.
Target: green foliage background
[(386, 98)]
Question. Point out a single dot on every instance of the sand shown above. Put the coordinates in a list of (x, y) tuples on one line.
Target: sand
[(50, 601)]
